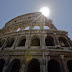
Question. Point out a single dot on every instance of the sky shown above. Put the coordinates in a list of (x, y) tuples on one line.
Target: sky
[(60, 11)]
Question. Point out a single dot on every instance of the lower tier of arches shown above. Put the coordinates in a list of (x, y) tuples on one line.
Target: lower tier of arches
[(35, 65)]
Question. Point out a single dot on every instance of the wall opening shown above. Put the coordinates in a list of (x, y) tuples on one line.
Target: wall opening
[(35, 42), (46, 27), (22, 42), (36, 27), (33, 66), (10, 42), (2, 61), (53, 66), (27, 28), (69, 65), (18, 29), (14, 66), (63, 42), (49, 41)]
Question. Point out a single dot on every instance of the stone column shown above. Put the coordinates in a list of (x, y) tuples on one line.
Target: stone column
[(21, 27), (42, 41), (30, 27), (63, 64), (41, 68), (15, 42), (43, 63), (57, 41), (47, 59), (6, 66), (27, 42), (41, 27), (42, 23), (4, 45), (13, 29), (22, 68), (44, 68)]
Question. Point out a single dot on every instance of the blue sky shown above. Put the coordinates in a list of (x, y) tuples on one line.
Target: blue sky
[(61, 11)]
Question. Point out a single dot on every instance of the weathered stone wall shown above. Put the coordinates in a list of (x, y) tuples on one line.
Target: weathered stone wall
[(26, 53)]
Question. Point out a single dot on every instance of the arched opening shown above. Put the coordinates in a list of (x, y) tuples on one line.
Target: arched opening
[(22, 42), (33, 66), (49, 41), (18, 29), (69, 65), (2, 42), (2, 61), (14, 66), (46, 27), (36, 27), (63, 42), (53, 66), (10, 42), (27, 28), (35, 42)]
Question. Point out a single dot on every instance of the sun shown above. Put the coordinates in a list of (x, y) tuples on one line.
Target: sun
[(45, 11)]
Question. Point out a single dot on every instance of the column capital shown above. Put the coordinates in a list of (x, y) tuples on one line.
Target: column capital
[(61, 56)]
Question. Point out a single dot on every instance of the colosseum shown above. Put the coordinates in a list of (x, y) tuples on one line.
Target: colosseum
[(31, 43)]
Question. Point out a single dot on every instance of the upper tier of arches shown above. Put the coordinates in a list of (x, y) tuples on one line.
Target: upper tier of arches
[(30, 21)]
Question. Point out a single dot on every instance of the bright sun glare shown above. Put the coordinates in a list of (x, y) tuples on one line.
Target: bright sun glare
[(45, 11)]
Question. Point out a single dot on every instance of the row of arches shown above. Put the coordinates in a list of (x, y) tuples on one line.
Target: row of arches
[(14, 66), (34, 66), (49, 41), (28, 27)]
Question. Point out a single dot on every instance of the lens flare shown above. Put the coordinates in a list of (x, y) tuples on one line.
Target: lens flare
[(45, 11)]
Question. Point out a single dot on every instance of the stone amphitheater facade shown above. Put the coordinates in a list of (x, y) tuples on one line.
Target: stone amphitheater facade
[(31, 43)]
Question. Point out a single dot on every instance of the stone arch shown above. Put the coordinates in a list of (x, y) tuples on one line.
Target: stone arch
[(53, 66), (63, 42), (17, 28), (2, 61), (49, 41), (36, 27), (10, 42), (69, 65), (46, 27), (14, 66), (35, 41), (33, 66), (2, 42), (22, 41), (26, 27)]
